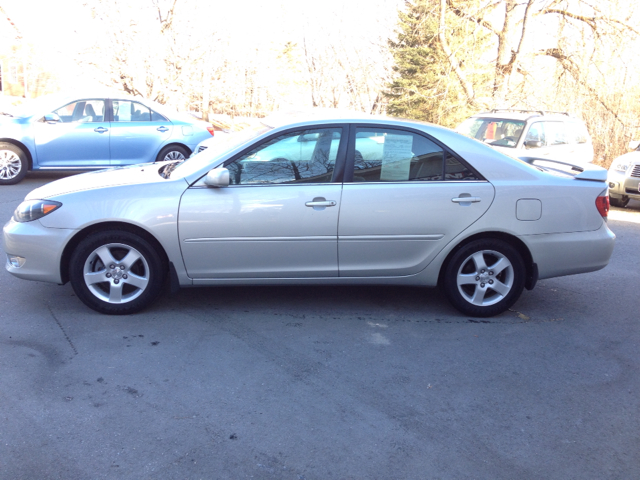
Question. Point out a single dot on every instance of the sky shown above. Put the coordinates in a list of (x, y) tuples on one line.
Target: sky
[(61, 25), (60, 29)]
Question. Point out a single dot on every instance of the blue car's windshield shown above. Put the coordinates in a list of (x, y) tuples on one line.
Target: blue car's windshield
[(39, 106), (220, 144)]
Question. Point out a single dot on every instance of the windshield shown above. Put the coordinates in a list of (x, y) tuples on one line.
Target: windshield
[(40, 106), (493, 131), (217, 147)]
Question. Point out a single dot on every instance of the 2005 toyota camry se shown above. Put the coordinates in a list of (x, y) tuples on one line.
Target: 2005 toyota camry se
[(359, 201)]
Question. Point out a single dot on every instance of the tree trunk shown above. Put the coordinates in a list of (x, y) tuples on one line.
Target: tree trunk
[(506, 56)]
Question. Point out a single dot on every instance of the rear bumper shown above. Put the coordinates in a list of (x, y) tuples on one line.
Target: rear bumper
[(559, 254), (39, 246)]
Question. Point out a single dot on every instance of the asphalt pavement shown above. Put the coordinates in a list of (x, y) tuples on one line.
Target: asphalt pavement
[(324, 382)]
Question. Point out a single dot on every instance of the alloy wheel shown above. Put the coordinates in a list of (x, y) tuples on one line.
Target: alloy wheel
[(116, 273), (174, 155), (10, 165), (485, 278)]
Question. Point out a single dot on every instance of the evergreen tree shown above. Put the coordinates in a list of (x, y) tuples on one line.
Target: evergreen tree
[(424, 87)]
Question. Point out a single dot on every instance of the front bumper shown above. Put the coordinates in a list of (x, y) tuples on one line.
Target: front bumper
[(622, 185), (39, 246)]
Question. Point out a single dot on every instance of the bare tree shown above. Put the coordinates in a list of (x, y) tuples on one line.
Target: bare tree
[(544, 54)]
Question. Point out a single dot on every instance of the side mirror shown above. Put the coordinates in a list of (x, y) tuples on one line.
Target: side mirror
[(218, 177), (634, 144), (52, 118), (532, 144)]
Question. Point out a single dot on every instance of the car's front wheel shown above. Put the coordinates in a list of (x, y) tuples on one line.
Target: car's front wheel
[(13, 164), (484, 278), (173, 153), (116, 272)]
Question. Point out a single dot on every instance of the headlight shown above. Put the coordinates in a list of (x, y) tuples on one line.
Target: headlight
[(34, 209)]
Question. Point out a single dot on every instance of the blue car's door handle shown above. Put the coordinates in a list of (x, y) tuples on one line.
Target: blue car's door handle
[(162, 129), (100, 129)]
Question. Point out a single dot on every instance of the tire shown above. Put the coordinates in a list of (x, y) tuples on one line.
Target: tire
[(173, 153), (620, 202), (13, 164), (484, 278), (116, 272)]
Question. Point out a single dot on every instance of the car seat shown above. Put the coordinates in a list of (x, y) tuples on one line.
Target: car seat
[(89, 113)]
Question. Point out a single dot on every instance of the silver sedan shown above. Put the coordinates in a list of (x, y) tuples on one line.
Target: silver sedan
[(337, 201)]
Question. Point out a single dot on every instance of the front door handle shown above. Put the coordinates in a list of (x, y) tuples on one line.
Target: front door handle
[(162, 129), (320, 203), (326, 203), (100, 129), (466, 200)]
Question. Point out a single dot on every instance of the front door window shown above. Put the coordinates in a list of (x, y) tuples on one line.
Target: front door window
[(86, 111), (305, 156)]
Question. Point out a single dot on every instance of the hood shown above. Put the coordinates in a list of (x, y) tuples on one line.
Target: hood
[(111, 177), (629, 156), (4, 119)]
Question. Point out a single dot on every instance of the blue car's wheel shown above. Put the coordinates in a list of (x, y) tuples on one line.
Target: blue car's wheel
[(173, 153), (13, 164)]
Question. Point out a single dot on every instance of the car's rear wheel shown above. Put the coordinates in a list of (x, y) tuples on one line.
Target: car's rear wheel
[(484, 278), (116, 272), (173, 153), (620, 202), (13, 164)]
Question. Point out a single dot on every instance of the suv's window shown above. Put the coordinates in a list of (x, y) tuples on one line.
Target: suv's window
[(556, 133), (128, 111), (306, 156), (577, 132), (494, 131), (390, 155), (536, 133), (86, 111)]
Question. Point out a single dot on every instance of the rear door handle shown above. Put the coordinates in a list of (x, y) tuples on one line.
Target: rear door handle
[(100, 129), (162, 129)]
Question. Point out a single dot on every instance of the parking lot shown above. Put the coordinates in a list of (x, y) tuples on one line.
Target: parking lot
[(324, 382)]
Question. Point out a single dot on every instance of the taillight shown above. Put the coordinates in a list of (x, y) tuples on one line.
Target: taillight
[(210, 130), (602, 204)]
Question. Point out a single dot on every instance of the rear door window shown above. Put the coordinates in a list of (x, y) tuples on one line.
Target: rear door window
[(556, 133), (393, 155), (128, 111), (577, 132)]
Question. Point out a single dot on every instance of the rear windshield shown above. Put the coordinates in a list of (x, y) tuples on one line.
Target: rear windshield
[(498, 132)]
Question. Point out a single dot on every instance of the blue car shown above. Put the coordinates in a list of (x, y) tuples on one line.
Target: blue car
[(92, 132)]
